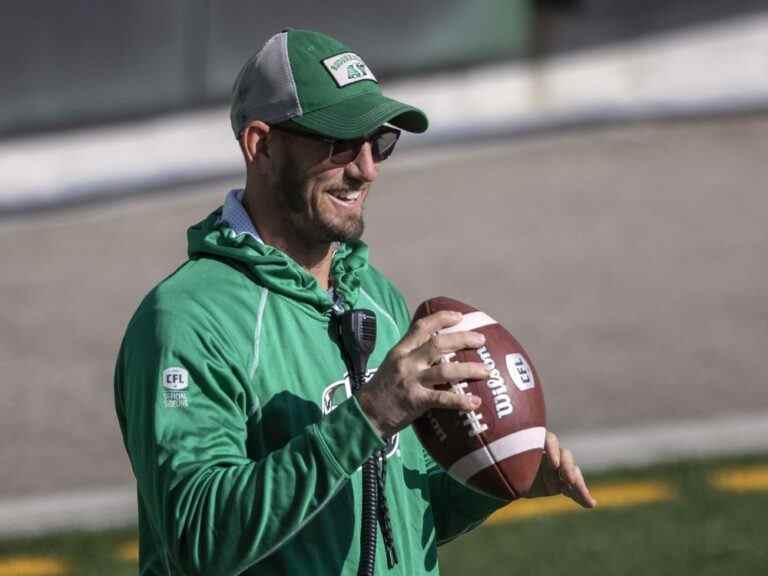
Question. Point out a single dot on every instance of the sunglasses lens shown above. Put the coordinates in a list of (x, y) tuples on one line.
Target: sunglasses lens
[(345, 151), (383, 145)]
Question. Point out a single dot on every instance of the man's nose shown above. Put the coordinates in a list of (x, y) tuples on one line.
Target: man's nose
[(363, 167)]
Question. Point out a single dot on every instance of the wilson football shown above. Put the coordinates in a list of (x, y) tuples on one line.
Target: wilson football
[(496, 449)]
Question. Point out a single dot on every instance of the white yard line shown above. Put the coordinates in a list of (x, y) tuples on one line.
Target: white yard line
[(670, 441), (95, 509), (113, 507)]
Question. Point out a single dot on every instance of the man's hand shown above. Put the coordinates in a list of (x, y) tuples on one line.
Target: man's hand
[(559, 474), (403, 387)]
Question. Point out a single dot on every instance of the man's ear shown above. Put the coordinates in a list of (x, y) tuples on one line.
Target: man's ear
[(254, 143)]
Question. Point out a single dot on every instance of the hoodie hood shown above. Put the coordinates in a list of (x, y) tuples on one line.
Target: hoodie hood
[(274, 269)]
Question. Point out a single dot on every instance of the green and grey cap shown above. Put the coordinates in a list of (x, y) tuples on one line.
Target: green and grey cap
[(318, 83)]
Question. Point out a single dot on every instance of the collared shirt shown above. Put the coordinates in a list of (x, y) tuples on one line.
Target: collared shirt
[(236, 217)]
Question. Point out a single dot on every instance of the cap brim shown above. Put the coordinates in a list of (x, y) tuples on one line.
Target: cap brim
[(361, 115)]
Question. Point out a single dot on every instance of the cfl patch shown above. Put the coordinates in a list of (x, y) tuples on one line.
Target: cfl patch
[(175, 379), (175, 382), (348, 68)]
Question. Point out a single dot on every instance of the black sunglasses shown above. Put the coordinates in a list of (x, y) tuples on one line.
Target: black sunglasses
[(342, 152)]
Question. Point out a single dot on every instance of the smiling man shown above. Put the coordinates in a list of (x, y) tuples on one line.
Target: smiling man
[(243, 429)]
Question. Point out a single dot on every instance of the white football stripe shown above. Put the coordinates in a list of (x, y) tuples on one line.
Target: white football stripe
[(471, 464), (471, 321), (498, 450)]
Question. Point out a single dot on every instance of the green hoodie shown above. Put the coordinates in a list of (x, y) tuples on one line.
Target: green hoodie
[(236, 412)]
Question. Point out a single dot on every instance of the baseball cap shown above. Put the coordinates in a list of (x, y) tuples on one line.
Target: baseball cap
[(318, 83)]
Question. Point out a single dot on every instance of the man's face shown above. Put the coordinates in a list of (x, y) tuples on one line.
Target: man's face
[(322, 201)]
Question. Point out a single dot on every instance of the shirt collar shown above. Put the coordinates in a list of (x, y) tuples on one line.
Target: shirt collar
[(236, 217)]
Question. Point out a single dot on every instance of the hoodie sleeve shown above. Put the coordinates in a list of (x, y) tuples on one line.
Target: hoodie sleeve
[(456, 509), (183, 410)]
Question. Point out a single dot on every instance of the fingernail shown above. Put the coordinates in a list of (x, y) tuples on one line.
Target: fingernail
[(478, 339), (476, 401)]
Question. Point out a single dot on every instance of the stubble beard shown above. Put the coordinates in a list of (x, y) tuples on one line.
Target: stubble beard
[(307, 219)]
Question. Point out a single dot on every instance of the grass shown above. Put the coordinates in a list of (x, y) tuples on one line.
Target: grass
[(701, 518), (702, 531), (77, 553)]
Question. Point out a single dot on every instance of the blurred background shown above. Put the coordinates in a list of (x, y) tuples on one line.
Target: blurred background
[(592, 177)]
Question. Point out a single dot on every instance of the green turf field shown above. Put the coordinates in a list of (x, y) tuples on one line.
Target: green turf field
[(695, 518), (702, 530)]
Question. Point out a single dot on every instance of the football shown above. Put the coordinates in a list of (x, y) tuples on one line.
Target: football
[(496, 449)]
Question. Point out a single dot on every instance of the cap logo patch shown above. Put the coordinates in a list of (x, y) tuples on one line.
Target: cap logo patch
[(348, 68)]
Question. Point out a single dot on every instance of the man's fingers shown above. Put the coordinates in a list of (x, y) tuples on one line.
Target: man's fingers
[(584, 497), (552, 449), (453, 372), (447, 400), (572, 481), (422, 329), (439, 345), (567, 468), (578, 491)]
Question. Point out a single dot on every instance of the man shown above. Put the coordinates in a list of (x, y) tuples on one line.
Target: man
[(230, 386)]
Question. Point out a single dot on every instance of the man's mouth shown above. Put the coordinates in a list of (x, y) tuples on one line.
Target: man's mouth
[(346, 197)]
